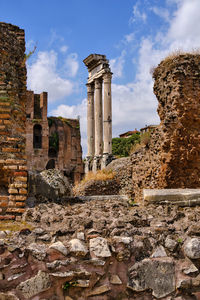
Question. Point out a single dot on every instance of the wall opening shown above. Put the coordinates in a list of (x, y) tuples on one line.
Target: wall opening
[(50, 164), (37, 136)]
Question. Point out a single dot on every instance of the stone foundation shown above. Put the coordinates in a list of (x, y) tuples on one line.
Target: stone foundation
[(13, 174)]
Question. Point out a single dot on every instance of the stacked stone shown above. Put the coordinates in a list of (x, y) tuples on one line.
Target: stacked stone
[(13, 174), (177, 87)]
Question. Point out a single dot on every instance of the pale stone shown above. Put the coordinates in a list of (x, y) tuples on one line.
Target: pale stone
[(123, 239), (144, 275), (35, 285), (99, 247), (100, 290), (192, 248), (115, 279), (183, 197), (59, 247), (82, 283), (81, 236), (68, 298), (8, 296), (191, 270), (15, 276), (159, 252), (77, 247), (37, 250), (170, 244), (2, 234)]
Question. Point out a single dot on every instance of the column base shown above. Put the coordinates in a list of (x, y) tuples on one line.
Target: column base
[(97, 163), (88, 164), (106, 159)]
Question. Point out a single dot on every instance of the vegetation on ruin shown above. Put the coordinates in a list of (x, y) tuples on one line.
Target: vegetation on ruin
[(172, 60), (54, 141), (100, 175), (121, 146), (143, 142)]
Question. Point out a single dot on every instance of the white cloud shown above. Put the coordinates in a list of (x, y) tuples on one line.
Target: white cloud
[(43, 76), (117, 65), (137, 14), (161, 12), (74, 111), (185, 26), (64, 49), (71, 64), (129, 37)]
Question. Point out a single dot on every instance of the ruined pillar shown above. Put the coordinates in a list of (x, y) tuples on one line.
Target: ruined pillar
[(99, 70), (107, 130), (177, 88), (13, 164), (98, 123)]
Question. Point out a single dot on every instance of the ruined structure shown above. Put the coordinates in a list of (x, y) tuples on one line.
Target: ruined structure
[(99, 123), (13, 174), (52, 142), (171, 159)]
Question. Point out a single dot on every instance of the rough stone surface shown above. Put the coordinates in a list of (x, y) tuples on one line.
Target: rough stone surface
[(99, 247), (158, 275), (128, 235), (35, 285), (192, 248)]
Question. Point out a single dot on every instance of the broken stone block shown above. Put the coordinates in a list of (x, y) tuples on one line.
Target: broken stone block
[(99, 247), (59, 247), (100, 290), (78, 247), (156, 274), (159, 252), (35, 285), (115, 279), (192, 248)]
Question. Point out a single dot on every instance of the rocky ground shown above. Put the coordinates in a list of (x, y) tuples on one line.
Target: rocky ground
[(101, 250)]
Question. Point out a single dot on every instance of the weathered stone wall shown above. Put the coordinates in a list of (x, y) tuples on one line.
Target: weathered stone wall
[(101, 249), (171, 159), (13, 178), (59, 143)]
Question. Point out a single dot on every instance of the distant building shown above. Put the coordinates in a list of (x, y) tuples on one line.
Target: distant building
[(52, 142), (128, 133), (148, 128)]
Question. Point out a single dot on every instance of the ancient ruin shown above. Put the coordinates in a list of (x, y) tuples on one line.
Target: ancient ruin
[(99, 123), (52, 142), (13, 174)]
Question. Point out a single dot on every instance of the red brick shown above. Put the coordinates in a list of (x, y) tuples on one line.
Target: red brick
[(7, 217)]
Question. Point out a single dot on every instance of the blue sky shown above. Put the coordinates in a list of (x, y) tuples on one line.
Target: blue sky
[(134, 35)]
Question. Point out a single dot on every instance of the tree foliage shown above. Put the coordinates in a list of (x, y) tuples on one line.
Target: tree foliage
[(122, 146)]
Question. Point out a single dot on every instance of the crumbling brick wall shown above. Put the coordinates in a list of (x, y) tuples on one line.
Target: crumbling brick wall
[(13, 175), (171, 159)]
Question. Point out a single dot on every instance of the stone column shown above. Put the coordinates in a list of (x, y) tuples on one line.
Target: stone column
[(107, 114), (90, 126), (98, 123)]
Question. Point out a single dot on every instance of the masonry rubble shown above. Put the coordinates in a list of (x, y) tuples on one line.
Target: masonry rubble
[(101, 248)]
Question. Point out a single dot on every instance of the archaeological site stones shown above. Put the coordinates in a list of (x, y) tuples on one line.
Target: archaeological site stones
[(134, 236)]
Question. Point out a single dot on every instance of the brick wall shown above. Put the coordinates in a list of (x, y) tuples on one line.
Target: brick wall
[(13, 174)]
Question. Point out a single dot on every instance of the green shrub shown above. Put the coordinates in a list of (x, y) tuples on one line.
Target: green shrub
[(122, 146)]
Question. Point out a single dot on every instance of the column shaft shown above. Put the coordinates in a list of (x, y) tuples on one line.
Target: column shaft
[(107, 114), (98, 118), (90, 120)]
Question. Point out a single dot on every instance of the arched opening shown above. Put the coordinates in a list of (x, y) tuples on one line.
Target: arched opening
[(37, 136), (50, 164)]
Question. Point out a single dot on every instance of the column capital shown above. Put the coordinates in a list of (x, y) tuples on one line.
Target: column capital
[(107, 77), (98, 83), (90, 87)]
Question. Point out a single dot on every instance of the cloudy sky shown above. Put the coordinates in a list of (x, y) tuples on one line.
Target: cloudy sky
[(134, 35)]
